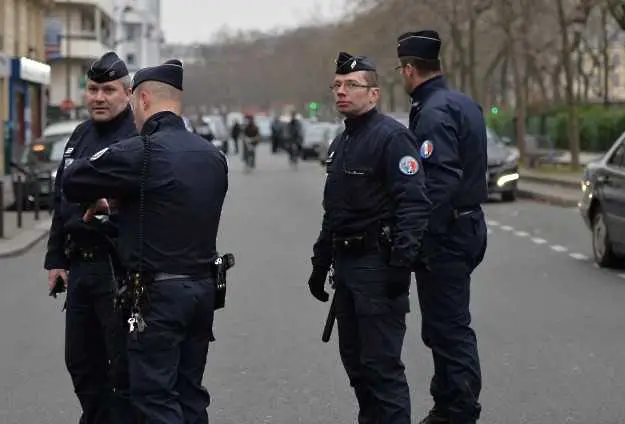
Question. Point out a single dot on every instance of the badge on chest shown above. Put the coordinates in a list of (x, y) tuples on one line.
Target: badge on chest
[(67, 157)]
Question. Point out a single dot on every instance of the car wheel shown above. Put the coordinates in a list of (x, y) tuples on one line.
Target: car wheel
[(508, 196), (601, 245)]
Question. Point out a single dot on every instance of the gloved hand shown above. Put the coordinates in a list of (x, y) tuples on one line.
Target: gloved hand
[(398, 282), (317, 282)]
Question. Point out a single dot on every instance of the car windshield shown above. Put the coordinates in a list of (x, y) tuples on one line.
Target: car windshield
[(492, 138), (315, 131), (48, 149)]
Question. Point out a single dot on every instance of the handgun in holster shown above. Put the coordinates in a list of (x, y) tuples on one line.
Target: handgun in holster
[(221, 266)]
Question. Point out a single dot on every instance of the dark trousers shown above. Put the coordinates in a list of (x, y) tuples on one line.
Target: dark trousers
[(94, 351), (444, 288), (371, 331), (167, 360)]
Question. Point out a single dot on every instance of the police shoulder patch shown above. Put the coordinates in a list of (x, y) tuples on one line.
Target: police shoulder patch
[(408, 165), (426, 149), (99, 154)]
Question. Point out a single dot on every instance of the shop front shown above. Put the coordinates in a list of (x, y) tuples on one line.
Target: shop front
[(5, 73), (27, 103)]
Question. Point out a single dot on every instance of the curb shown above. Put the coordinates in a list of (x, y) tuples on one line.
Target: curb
[(25, 241), (550, 180), (546, 198)]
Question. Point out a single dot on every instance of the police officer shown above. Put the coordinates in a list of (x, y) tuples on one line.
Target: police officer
[(451, 136), (170, 186), (376, 210), (79, 254)]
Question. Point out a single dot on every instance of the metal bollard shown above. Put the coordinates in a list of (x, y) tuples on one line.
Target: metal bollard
[(50, 193), (19, 200), (37, 200), (1, 209)]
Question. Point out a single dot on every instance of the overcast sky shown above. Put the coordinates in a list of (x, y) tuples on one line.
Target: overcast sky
[(190, 21)]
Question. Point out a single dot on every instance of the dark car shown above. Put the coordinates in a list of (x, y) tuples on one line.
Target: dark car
[(603, 205), (503, 168), (38, 170)]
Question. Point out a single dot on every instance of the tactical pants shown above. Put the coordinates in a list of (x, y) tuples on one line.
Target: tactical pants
[(94, 351), (444, 297), (167, 360), (371, 331)]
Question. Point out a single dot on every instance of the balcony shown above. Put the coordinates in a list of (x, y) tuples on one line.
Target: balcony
[(82, 46), (106, 6)]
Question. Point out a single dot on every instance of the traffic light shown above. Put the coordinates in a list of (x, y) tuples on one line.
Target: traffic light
[(494, 110), (313, 106)]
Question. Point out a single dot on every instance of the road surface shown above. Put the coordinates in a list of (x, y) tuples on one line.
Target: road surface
[(551, 326)]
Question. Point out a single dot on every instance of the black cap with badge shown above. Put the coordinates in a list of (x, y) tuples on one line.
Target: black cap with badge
[(346, 64), (170, 73), (424, 45), (107, 68)]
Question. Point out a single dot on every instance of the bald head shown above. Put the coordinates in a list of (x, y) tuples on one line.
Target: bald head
[(152, 97)]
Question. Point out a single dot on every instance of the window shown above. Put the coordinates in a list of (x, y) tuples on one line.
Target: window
[(87, 22), (618, 157), (131, 59), (616, 59)]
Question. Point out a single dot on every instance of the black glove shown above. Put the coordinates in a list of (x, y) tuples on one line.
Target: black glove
[(317, 282), (398, 282)]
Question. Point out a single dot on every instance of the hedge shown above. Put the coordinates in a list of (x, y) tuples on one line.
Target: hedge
[(599, 127)]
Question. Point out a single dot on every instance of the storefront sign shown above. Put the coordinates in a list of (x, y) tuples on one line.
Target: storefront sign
[(5, 65), (33, 71)]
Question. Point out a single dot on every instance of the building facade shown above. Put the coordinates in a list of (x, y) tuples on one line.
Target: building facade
[(78, 32), (24, 76), (139, 33)]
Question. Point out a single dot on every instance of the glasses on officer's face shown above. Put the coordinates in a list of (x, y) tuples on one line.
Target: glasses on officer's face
[(349, 86)]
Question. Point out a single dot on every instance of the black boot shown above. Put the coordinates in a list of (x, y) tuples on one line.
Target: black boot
[(436, 416)]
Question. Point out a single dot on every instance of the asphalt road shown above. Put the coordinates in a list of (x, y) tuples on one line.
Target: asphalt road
[(550, 325)]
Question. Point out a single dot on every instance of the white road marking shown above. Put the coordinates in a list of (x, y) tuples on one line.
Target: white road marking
[(507, 228), (618, 275), (578, 256), (539, 240), (521, 234), (492, 223), (489, 231), (558, 248)]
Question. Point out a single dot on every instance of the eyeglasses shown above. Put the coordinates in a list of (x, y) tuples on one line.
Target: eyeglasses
[(349, 86)]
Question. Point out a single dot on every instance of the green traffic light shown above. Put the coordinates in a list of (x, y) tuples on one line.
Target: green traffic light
[(313, 105), (494, 110)]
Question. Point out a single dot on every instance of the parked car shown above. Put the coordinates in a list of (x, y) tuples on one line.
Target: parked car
[(315, 137), (503, 168), (334, 130), (39, 163), (215, 131), (603, 205)]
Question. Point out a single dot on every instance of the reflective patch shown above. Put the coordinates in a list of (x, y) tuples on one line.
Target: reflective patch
[(68, 152), (99, 154), (426, 149), (67, 162), (408, 165)]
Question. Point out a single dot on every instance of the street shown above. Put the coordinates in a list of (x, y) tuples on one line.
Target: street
[(550, 325)]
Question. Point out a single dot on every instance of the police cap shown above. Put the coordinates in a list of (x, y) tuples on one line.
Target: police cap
[(170, 73), (346, 64), (425, 45), (107, 68)]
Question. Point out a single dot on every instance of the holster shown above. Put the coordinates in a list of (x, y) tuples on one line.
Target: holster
[(221, 266)]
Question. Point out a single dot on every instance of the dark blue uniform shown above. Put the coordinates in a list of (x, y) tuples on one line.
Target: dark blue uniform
[(185, 187), (91, 327), (374, 180), (451, 136)]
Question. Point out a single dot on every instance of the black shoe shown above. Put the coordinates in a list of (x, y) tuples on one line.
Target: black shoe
[(435, 416)]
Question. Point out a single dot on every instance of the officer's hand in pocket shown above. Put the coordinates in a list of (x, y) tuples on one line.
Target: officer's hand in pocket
[(398, 283), (317, 282)]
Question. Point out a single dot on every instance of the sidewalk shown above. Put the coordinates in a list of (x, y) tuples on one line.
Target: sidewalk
[(18, 240)]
